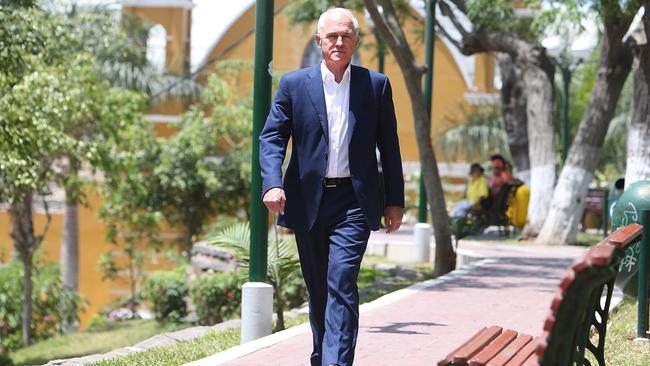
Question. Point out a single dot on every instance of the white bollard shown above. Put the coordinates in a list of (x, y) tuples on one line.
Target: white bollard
[(256, 311), (422, 242)]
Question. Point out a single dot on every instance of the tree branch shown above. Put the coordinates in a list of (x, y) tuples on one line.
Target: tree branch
[(460, 4), (446, 10), (388, 27), (48, 215), (444, 33)]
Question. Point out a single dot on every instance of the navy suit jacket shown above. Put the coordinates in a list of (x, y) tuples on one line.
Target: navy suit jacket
[(299, 112)]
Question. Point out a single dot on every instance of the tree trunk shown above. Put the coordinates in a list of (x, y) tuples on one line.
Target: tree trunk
[(388, 27), (133, 277), (513, 110), (541, 142), (25, 242), (567, 203), (279, 311), (539, 73), (638, 146), (70, 244)]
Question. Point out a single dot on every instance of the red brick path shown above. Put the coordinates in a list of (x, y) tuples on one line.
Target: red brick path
[(513, 289)]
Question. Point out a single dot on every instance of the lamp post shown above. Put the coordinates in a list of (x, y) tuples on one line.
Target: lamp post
[(567, 59), (423, 229), (257, 295)]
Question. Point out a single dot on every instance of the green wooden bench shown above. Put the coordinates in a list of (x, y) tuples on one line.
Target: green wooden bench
[(575, 309)]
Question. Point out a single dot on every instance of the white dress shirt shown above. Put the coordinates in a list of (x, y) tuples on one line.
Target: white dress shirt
[(337, 102)]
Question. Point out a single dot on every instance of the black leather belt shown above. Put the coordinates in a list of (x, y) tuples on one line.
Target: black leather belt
[(334, 182)]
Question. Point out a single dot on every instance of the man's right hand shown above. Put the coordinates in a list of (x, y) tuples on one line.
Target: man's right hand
[(274, 200)]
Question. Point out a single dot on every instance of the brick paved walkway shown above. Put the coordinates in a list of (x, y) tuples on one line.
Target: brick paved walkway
[(513, 287)]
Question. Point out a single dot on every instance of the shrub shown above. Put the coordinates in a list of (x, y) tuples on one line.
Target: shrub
[(54, 303), (216, 296), (98, 323), (5, 361), (166, 292), (295, 292)]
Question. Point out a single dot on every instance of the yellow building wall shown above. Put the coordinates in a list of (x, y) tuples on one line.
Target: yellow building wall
[(177, 23)]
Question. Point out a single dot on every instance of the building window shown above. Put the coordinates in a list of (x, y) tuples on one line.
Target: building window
[(157, 47), (312, 55)]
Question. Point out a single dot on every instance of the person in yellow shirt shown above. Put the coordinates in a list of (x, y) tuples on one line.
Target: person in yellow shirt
[(477, 190)]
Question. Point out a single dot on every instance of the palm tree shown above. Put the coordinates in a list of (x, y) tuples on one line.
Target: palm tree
[(480, 134), (283, 263)]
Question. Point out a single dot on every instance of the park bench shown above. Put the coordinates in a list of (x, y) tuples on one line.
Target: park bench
[(493, 212), (575, 309), (595, 202)]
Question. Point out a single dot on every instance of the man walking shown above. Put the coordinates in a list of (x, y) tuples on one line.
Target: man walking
[(336, 115)]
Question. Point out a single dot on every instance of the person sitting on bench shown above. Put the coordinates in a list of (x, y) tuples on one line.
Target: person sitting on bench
[(500, 174), (477, 190)]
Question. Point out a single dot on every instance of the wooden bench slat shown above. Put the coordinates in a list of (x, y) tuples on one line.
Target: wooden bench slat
[(524, 353), (567, 280), (473, 347), (510, 351), (625, 235), (532, 360), (468, 349), (499, 343), (600, 255)]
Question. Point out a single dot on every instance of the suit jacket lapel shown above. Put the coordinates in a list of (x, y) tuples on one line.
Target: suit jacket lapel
[(314, 86)]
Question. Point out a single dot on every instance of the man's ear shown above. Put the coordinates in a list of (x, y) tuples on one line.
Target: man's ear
[(317, 40)]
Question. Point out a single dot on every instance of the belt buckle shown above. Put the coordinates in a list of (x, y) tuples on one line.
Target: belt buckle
[(330, 185)]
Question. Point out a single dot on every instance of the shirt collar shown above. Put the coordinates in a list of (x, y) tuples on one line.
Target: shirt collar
[(327, 75)]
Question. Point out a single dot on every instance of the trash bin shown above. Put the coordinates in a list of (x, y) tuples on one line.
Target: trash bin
[(627, 210)]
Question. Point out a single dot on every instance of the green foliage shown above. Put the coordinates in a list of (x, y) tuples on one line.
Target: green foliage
[(283, 264), (54, 304), (166, 292), (98, 323), (216, 296), (204, 169), (535, 22), (5, 361), (479, 133), (13, 4), (294, 291)]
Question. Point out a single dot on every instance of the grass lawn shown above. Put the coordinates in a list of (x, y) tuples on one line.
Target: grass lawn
[(620, 349), (120, 334), (184, 352)]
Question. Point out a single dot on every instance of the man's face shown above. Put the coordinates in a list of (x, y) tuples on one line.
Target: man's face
[(497, 167), (337, 39)]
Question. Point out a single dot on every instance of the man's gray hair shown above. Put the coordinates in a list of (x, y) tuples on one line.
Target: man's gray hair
[(340, 11)]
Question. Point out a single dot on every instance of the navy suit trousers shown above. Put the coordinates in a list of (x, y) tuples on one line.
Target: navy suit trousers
[(330, 257)]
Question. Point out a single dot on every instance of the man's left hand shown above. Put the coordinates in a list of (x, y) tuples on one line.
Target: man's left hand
[(393, 218)]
